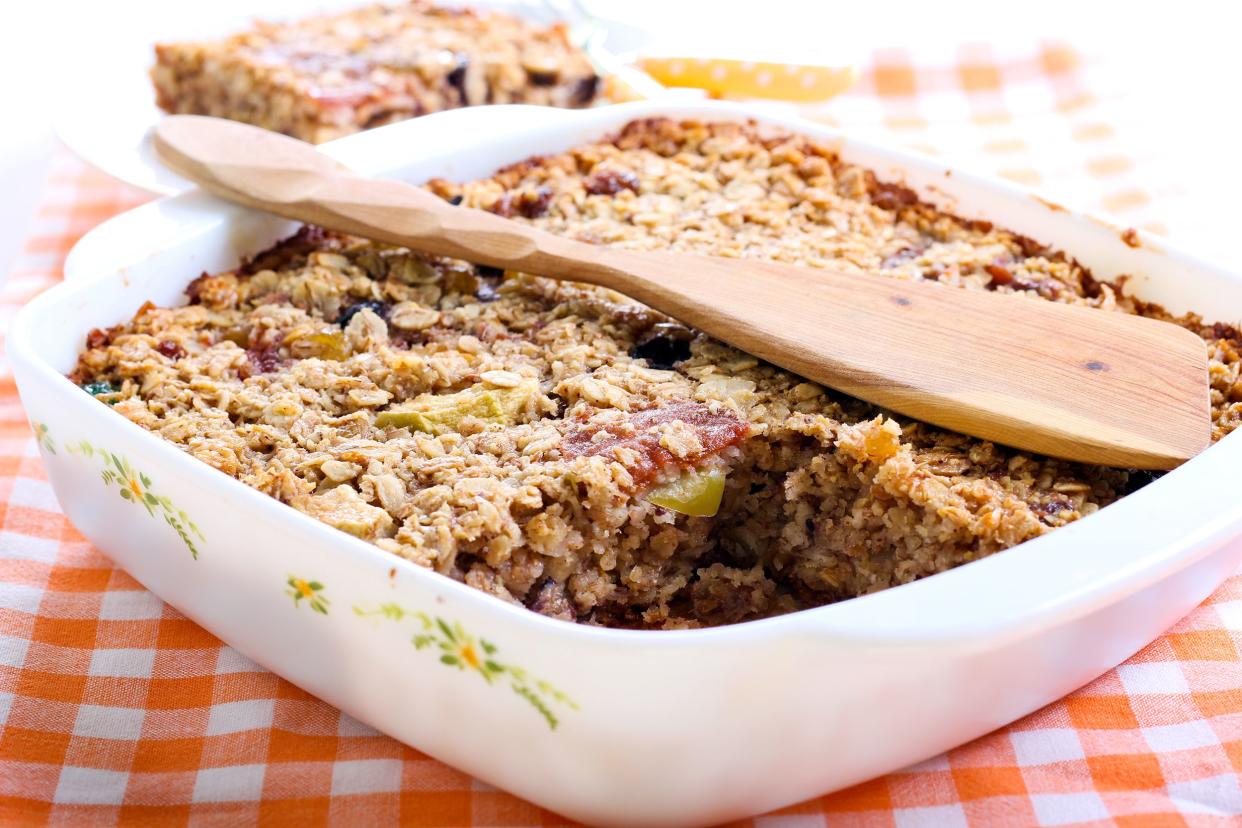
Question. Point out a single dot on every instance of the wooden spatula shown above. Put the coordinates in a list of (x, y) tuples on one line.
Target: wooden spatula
[(1071, 382)]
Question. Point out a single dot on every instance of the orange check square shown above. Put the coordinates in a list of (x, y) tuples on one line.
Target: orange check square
[(1126, 773), (1204, 645), (979, 783), (867, 796), (1101, 712)]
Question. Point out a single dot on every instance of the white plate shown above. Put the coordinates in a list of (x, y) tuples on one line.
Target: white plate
[(106, 109), (666, 728)]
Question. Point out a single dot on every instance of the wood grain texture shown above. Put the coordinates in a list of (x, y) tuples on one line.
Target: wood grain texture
[(1066, 381)]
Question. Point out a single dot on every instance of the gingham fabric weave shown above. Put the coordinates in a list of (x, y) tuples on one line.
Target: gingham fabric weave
[(116, 709)]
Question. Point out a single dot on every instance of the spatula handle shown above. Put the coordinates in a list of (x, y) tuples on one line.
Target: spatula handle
[(1073, 382), (401, 214)]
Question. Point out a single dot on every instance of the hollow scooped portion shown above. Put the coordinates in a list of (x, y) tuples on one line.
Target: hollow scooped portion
[(558, 445)]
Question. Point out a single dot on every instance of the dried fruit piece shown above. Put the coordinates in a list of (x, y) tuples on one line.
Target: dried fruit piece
[(327, 344), (170, 349), (666, 345), (696, 493), (378, 308), (443, 413), (610, 182), (640, 435), (489, 281), (101, 389)]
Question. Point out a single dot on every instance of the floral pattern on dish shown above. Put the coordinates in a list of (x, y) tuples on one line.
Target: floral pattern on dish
[(311, 591), (43, 436), (136, 487), (463, 651)]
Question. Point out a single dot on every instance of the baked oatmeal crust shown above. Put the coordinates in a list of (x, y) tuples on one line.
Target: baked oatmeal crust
[(507, 430), (325, 76)]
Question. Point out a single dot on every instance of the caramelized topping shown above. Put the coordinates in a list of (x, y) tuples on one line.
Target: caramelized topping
[(716, 431)]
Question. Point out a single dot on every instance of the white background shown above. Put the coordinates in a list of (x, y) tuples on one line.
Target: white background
[(1179, 63)]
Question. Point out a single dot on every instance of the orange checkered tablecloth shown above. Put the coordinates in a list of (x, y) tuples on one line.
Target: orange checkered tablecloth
[(114, 707)]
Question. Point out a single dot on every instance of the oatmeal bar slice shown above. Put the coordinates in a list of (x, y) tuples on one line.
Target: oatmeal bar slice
[(323, 77)]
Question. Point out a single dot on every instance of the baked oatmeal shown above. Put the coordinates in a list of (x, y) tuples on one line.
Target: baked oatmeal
[(564, 448), (327, 76)]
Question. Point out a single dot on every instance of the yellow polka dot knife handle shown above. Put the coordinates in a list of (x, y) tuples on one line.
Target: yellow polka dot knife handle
[(750, 79)]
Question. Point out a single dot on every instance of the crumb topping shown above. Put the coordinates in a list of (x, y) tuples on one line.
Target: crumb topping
[(562, 447), (328, 75)]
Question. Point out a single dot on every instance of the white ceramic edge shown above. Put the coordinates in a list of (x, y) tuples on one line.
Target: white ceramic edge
[(1180, 525)]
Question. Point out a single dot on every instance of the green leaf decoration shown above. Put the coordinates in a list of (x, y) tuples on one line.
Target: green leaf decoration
[(460, 650), (311, 591), (43, 436), (136, 488), (444, 628)]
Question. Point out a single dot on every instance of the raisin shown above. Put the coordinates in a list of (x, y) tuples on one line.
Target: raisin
[(102, 337), (541, 78), (667, 344), (308, 239), (195, 287), (264, 360), (378, 308), (1031, 248), (1052, 507), (585, 91), (534, 204), (893, 196), (611, 182), (457, 77), (531, 203), (487, 283), (1000, 274), (170, 349), (503, 206), (549, 599), (1138, 478), (1223, 330)]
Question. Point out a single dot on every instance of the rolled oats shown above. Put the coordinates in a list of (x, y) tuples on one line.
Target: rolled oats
[(510, 443), (329, 75)]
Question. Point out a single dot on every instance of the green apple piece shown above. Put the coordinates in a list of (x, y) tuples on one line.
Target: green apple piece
[(443, 413), (695, 493)]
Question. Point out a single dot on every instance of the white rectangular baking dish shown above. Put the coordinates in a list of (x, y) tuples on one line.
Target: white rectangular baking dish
[(613, 726)]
